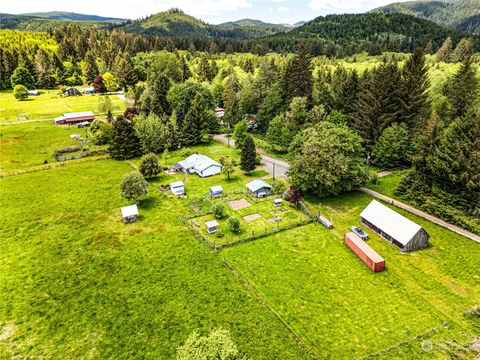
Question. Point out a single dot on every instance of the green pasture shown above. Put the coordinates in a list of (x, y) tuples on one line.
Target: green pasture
[(49, 105), (343, 310)]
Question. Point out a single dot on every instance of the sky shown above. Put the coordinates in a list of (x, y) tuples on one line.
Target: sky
[(211, 11)]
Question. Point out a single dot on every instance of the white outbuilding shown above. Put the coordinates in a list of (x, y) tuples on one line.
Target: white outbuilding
[(177, 188), (129, 213), (212, 226), (393, 227)]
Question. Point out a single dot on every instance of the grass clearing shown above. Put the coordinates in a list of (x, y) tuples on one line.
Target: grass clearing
[(49, 105)]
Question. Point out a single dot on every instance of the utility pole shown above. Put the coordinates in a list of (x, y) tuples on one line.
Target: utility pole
[(273, 180), (367, 165)]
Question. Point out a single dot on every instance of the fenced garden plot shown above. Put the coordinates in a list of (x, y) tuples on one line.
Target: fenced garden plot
[(256, 221)]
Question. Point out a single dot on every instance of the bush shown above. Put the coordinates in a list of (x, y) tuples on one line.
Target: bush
[(234, 224), (218, 210), (219, 234), (280, 186), (217, 345), (149, 166), (206, 139), (186, 152), (258, 159), (20, 92), (134, 186)]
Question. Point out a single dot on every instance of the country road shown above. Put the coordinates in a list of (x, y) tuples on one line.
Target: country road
[(272, 165)]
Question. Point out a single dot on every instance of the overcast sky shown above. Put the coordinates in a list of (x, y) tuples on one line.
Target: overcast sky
[(212, 11)]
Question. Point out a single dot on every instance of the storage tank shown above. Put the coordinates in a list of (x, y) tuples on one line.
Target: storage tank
[(369, 256)]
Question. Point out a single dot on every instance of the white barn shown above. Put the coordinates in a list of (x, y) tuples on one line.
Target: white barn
[(393, 227), (199, 164)]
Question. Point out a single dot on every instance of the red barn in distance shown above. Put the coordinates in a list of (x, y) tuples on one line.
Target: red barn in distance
[(369, 256), (74, 118)]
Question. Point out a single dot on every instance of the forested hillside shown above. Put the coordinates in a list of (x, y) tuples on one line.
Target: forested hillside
[(62, 15), (31, 23), (462, 15)]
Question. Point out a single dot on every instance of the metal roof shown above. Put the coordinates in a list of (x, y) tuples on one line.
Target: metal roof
[(198, 162), (216, 188), (130, 210), (176, 184), (73, 115), (390, 222), (210, 224), (257, 184)]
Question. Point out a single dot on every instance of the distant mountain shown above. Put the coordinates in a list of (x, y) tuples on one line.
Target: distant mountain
[(31, 23), (300, 23), (462, 15), (252, 22), (62, 15)]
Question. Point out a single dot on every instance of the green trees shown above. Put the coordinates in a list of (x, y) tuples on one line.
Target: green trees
[(90, 69), (125, 143), (154, 99), (271, 106), (99, 85), (217, 345), (21, 76), (124, 71), (20, 92), (231, 100), (298, 75), (133, 186), (234, 224), (248, 156), (218, 209), (393, 147), (109, 81), (197, 122), (326, 160), (240, 133), (228, 167), (156, 133), (149, 166), (444, 53)]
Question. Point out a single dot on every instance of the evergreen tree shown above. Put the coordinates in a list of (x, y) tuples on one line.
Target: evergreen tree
[(124, 144), (271, 106), (462, 90), (197, 121), (154, 99), (464, 50), (124, 71), (149, 166), (248, 156), (413, 92), (298, 75), (90, 70), (394, 147), (45, 77), (231, 100), (444, 53), (267, 76), (240, 133)]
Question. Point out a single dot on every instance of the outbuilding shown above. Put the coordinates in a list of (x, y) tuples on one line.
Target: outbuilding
[(393, 227), (212, 226), (88, 90), (202, 165), (33, 92), (72, 91), (259, 188), (278, 202), (129, 213), (74, 118), (177, 188), (216, 191), (369, 256)]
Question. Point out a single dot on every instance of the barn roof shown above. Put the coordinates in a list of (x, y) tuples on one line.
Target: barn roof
[(176, 184), (257, 184), (131, 210), (198, 162), (390, 222)]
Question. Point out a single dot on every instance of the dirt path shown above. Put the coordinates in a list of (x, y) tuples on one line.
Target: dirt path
[(272, 165), (422, 214)]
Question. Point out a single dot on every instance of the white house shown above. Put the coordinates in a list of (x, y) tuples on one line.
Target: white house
[(393, 227), (129, 213), (177, 188), (259, 188), (199, 164)]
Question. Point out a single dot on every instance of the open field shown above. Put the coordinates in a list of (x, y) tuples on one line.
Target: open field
[(48, 105), (338, 306), (78, 283)]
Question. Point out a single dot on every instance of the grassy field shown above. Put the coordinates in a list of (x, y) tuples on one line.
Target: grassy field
[(48, 105), (338, 306), (388, 184)]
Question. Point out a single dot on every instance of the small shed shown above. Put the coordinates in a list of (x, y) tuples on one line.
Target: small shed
[(212, 226), (72, 91), (129, 213), (33, 92), (369, 256), (393, 227), (88, 90), (216, 191), (177, 188), (259, 188), (278, 202)]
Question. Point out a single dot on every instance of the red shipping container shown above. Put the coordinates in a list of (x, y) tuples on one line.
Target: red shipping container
[(369, 256)]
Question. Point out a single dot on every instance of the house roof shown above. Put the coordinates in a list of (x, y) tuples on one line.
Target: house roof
[(198, 162), (389, 221), (75, 116), (257, 184), (176, 184), (216, 188), (130, 210), (210, 224)]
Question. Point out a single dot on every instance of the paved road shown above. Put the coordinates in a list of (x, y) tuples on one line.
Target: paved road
[(422, 214), (271, 164)]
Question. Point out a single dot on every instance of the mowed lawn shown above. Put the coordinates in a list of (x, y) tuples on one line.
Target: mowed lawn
[(49, 105), (343, 310), (30, 144), (76, 282)]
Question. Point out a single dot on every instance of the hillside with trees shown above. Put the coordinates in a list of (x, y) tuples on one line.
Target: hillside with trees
[(63, 15), (463, 15)]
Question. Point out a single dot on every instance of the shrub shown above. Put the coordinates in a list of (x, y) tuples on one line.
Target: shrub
[(20, 92), (218, 210), (186, 152), (149, 166), (134, 186), (234, 224), (219, 234), (217, 345)]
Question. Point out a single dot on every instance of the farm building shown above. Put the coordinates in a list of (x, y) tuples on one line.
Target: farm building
[(259, 188), (129, 213), (199, 164), (395, 228), (212, 226), (72, 91), (219, 112), (216, 191), (177, 188), (369, 256), (33, 92), (88, 90), (74, 118)]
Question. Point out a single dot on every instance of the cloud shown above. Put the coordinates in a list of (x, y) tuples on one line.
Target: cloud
[(283, 9), (277, 1)]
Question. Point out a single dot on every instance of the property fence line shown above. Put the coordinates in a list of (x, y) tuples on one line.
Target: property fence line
[(84, 153), (249, 286)]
